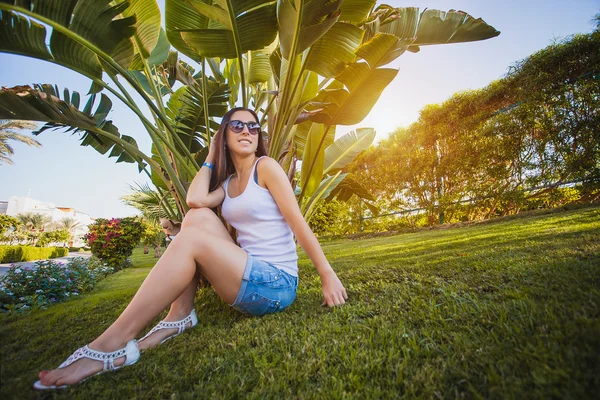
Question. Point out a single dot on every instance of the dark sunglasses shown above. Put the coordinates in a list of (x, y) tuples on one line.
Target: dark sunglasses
[(237, 126)]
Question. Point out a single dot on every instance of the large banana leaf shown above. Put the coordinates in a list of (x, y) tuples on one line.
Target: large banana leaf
[(259, 69), (325, 188), (303, 22), (311, 178), (301, 135), (147, 24), (346, 148), (179, 16), (436, 27), (224, 28), (98, 21), (232, 75), (363, 83), (42, 103), (330, 54), (157, 56), (356, 11)]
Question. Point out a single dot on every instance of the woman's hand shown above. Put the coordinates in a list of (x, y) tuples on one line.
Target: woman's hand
[(333, 290), (211, 152)]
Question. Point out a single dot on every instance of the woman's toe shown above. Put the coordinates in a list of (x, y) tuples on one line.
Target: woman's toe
[(46, 378)]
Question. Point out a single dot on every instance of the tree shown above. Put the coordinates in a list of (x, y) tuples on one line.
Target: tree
[(55, 236), (306, 66), (68, 224), (9, 130), (34, 222), (502, 148), (7, 222)]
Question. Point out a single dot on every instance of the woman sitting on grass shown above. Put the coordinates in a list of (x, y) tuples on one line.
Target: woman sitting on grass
[(258, 277)]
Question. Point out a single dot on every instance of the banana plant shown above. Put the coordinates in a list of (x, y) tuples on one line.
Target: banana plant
[(306, 66)]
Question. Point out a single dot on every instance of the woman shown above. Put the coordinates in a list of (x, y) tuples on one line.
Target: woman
[(257, 278)]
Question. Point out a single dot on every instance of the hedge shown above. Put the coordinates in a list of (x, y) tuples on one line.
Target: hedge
[(10, 254)]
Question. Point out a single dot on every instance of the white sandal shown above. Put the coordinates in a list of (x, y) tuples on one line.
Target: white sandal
[(180, 325), (131, 353)]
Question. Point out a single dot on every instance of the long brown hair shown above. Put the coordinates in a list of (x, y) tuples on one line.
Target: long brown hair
[(222, 162)]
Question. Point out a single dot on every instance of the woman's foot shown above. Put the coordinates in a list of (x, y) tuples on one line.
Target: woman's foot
[(87, 361), (171, 326)]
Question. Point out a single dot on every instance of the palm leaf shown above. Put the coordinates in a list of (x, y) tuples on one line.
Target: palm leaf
[(185, 110), (350, 187), (42, 103), (152, 204)]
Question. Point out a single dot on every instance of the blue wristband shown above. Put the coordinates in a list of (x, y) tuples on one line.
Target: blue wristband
[(209, 165)]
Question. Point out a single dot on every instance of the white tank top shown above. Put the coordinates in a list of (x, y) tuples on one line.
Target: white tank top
[(261, 229)]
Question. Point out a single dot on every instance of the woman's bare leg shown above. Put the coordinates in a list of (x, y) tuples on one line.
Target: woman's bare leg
[(221, 262), (180, 309), (183, 305)]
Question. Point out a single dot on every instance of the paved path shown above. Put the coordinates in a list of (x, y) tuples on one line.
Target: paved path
[(31, 264)]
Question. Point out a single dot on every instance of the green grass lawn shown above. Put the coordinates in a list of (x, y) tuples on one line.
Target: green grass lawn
[(509, 309)]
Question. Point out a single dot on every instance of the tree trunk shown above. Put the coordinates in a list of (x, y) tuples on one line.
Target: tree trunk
[(157, 252), (146, 249)]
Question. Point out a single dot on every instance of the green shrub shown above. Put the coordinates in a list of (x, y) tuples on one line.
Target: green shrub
[(112, 241), (57, 236), (10, 254), (49, 282)]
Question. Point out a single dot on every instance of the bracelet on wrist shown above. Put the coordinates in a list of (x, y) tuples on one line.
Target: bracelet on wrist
[(209, 165)]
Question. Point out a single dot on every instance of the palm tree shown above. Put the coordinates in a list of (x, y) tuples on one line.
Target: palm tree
[(9, 131), (68, 224), (34, 222), (153, 204)]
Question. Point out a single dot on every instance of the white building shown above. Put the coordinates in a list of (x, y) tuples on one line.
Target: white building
[(19, 205)]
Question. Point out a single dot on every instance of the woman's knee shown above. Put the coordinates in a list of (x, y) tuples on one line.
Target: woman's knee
[(197, 217)]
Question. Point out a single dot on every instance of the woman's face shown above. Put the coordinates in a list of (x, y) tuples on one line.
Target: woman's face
[(244, 142)]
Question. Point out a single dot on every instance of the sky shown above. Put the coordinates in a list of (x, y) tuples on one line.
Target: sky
[(68, 175)]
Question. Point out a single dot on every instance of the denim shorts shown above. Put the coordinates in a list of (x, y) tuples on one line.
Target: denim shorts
[(265, 289)]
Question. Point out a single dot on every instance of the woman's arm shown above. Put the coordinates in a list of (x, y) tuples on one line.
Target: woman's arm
[(276, 181), (198, 195)]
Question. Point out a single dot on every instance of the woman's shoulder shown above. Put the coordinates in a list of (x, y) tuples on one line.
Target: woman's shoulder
[(267, 163), (267, 168)]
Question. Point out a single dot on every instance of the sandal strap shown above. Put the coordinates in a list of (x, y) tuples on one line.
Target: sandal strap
[(180, 325), (107, 358)]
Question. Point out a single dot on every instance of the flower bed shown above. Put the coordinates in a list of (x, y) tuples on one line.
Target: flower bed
[(49, 282)]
